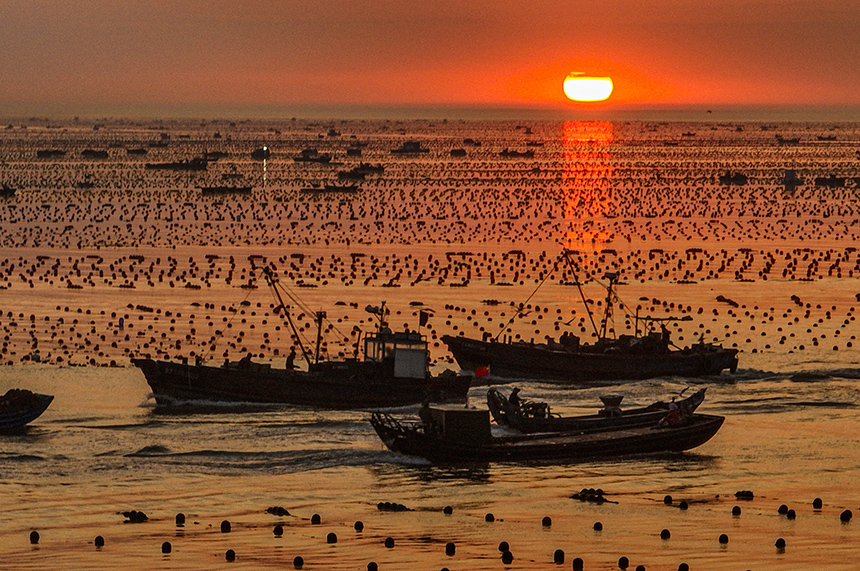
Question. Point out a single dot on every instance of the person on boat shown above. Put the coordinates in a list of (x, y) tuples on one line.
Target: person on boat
[(426, 417), (515, 399), (291, 358), (673, 417), (245, 361), (666, 337)]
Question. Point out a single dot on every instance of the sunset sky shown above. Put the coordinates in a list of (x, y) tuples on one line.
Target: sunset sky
[(193, 56)]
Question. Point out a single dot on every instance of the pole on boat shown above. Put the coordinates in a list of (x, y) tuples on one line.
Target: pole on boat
[(320, 316), (607, 314), (270, 279), (570, 264)]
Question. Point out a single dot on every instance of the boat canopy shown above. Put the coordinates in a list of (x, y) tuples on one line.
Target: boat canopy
[(409, 351)]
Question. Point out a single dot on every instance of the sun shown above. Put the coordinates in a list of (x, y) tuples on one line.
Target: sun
[(579, 87)]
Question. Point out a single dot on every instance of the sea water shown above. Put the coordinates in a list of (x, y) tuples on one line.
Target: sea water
[(138, 262)]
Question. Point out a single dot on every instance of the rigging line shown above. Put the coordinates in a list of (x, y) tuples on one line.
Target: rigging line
[(306, 309), (522, 305)]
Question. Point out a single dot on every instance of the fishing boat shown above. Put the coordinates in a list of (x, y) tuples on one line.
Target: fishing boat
[(393, 372), (19, 407), (528, 416), (628, 357), (453, 433)]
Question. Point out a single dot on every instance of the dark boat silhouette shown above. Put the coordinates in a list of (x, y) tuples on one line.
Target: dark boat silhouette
[(456, 434), (579, 364), (392, 372), (195, 164), (18, 407)]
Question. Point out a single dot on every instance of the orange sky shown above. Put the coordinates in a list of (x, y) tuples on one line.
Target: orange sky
[(80, 55)]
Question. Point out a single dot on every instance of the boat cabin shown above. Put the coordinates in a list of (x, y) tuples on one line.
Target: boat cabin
[(461, 424), (408, 350)]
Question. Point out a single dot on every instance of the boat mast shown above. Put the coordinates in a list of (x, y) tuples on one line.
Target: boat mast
[(570, 265), (613, 279), (270, 279), (320, 316)]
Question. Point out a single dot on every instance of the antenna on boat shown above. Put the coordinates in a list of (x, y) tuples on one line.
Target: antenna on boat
[(270, 279)]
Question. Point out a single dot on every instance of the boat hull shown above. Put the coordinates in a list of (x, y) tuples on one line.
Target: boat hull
[(346, 385), (551, 446), (22, 408), (527, 361)]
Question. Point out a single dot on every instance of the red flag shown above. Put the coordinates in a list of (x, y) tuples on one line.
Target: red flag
[(482, 372)]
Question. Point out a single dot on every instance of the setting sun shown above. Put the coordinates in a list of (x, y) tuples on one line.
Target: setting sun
[(579, 87)]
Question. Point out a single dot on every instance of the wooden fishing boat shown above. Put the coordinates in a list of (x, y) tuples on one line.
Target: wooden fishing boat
[(527, 416), (19, 407), (393, 372), (638, 356), (457, 434)]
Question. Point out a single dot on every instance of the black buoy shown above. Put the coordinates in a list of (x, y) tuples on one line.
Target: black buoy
[(817, 504), (640, 568), (230, 555), (447, 510), (667, 499), (34, 537), (166, 547), (180, 519), (782, 510), (331, 537), (450, 548), (298, 561), (736, 511), (683, 567), (558, 556), (372, 566), (665, 534), (507, 557), (845, 516), (489, 518), (389, 542), (226, 527), (598, 526), (99, 541), (780, 543), (358, 526), (278, 530), (546, 521), (315, 519), (623, 563), (790, 514), (724, 539), (683, 505), (578, 564), (503, 546)]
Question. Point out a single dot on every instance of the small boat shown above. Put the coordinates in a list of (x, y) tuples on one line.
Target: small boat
[(527, 416), (510, 154), (312, 156), (261, 153), (328, 187), (410, 148), (392, 373), (195, 164), (18, 407), (450, 433)]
